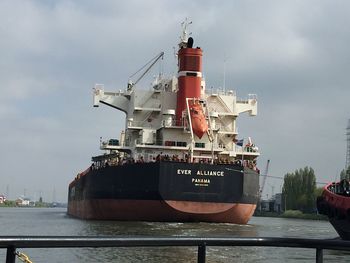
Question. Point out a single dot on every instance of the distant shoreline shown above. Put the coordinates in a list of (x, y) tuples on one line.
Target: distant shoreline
[(37, 205)]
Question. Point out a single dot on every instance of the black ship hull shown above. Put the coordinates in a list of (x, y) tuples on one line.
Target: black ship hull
[(337, 216), (335, 204), (166, 191), (342, 226)]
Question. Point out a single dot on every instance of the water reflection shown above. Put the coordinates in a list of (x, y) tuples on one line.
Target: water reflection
[(162, 254), (101, 228)]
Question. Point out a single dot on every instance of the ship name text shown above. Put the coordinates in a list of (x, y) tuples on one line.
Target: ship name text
[(210, 173), (201, 172), (181, 171)]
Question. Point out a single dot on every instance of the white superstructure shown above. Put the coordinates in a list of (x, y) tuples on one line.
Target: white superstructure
[(152, 128)]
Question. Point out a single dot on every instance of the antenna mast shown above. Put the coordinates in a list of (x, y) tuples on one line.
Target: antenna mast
[(347, 163), (185, 34)]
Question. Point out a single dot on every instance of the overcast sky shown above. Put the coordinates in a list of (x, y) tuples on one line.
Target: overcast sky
[(294, 55)]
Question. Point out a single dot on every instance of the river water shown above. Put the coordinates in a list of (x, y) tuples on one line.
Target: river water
[(54, 221)]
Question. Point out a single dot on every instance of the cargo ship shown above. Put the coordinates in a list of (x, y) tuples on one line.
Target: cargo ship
[(335, 204), (179, 158)]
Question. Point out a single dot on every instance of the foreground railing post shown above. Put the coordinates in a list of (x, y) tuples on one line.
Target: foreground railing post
[(201, 253), (11, 254), (319, 255)]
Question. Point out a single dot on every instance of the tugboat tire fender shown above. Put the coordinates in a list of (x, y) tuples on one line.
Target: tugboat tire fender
[(336, 213), (325, 209), (319, 199), (348, 214), (339, 214), (322, 208), (331, 211)]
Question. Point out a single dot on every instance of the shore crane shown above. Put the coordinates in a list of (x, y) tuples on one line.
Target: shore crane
[(265, 174)]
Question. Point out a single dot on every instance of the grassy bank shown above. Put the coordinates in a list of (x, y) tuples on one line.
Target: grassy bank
[(293, 214), (11, 203)]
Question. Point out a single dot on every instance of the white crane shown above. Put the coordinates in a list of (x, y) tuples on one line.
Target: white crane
[(265, 174), (153, 61)]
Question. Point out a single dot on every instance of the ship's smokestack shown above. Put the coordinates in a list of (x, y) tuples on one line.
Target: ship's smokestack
[(189, 75)]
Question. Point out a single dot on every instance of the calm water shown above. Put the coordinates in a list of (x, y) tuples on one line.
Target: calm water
[(54, 221)]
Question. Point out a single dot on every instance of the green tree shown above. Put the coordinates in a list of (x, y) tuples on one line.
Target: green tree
[(299, 190), (318, 191), (345, 174)]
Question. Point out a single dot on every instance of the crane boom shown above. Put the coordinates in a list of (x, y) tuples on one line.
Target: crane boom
[(154, 61), (264, 177)]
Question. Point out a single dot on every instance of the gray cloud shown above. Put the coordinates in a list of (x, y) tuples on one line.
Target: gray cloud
[(293, 54)]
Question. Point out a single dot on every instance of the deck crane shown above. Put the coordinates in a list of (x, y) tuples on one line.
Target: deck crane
[(265, 174), (153, 61)]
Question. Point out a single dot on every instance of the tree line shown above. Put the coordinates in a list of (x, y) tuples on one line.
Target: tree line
[(300, 190), (345, 174)]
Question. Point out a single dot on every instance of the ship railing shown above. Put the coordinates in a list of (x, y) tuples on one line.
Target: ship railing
[(139, 124), (227, 92), (206, 146), (246, 150), (12, 244), (219, 91), (172, 123), (109, 144), (247, 101), (216, 126), (185, 125)]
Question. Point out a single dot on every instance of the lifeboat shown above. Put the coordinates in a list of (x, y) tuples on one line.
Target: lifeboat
[(199, 123)]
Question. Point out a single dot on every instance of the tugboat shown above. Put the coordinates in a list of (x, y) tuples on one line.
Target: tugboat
[(179, 158), (335, 203)]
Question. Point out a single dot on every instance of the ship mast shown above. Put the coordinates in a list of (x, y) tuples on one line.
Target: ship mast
[(185, 34)]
